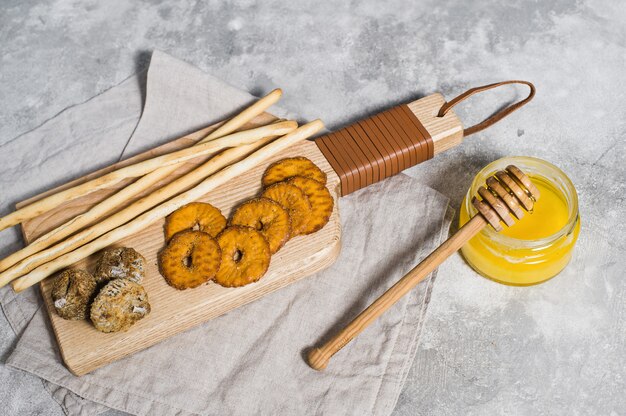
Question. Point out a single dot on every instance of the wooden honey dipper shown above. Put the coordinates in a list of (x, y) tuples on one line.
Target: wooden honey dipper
[(506, 193)]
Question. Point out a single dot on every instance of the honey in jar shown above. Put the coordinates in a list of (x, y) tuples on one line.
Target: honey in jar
[(537, 247)]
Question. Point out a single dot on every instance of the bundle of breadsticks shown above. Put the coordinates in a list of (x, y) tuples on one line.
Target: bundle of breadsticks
[(233, 152)]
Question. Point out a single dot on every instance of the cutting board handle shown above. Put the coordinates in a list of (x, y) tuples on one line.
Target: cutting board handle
[(386, 143)]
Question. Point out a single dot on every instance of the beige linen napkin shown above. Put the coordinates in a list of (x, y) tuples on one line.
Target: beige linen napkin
[(250, 361)]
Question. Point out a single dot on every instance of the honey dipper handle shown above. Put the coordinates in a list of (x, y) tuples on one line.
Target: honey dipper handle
[(318, 358)]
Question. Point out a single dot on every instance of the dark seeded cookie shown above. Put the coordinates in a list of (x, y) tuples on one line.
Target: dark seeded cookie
[(120, 263), (120, 304), (72, 293)]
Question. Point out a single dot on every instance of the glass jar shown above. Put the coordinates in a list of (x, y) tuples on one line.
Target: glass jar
[(531, 251)]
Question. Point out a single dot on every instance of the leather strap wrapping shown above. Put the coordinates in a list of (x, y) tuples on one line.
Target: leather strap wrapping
[(376, 148)]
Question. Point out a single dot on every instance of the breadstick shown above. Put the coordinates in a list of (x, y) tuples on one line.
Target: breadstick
[(166, 208), (40, 250), (109, 204), (171, 189), (52, 201), (246, 115), (147, 166)]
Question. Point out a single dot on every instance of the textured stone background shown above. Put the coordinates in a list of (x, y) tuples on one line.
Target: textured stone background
[(558, 348)]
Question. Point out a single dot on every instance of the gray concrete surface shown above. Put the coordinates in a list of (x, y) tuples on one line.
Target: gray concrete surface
[(555, 349)]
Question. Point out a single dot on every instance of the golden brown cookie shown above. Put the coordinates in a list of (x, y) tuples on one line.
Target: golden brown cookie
[(190, 259), (120, 263), (294, 201), (195, 216), (72, 293), (290, 167), (266, 216), (245, 256), (119, 304), (321, 202)]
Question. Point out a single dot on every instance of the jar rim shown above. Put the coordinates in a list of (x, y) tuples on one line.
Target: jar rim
[(533, 167)]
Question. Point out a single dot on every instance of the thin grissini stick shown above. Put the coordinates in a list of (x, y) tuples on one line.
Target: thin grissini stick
[(158, 196), (166, 208), (246, 115), (140, 185), (147, 166), (41, 206), (35, 253)]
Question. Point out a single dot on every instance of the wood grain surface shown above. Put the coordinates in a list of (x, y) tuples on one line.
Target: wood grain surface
[(446, 131), (85, 349)]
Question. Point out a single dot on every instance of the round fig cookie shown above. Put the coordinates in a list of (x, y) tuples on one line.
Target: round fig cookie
[(120, 263), (72, 293), (119, 304)]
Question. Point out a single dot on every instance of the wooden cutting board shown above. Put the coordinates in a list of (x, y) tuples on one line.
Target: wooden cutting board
[(354, 157), (85, 349)]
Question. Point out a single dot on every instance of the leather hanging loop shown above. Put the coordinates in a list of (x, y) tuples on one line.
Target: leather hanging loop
[(497, 116)]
